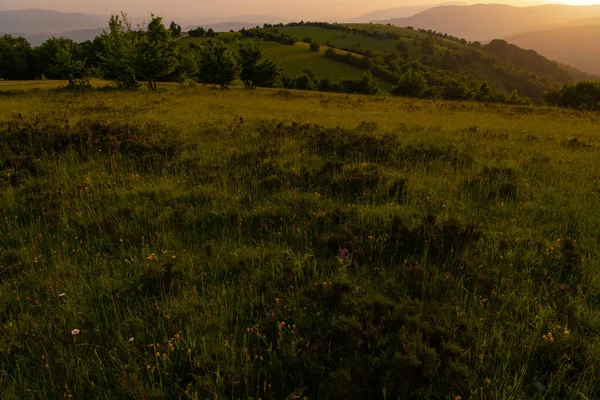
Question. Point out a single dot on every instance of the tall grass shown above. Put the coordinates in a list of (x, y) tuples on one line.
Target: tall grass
[(271, 244)]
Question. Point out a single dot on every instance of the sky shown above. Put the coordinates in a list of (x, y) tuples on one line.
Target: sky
[(203, 9)]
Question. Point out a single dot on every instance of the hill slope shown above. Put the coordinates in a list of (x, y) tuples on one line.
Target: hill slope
[(484, 22), (574, 45), (400, 12), (36, 21), (389, 52), (294, 59)]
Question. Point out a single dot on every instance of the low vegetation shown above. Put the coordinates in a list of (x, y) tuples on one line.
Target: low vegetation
[(272, 244)]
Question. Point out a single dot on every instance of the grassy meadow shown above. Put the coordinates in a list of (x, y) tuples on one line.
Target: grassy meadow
[(269, 244), (293, 59)]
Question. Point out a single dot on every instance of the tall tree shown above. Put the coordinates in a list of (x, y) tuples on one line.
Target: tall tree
[(66, 66), (218, 65), (119, 52), (175, 29), (16, 60), (256, 70), (45, 56), (157, 53)]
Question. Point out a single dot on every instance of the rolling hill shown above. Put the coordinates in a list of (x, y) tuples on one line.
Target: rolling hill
[(294, 59), (445, 62), (484, 22), (35, 21), (574, 45), (400, 12)]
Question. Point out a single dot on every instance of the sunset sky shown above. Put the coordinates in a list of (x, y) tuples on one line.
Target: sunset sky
[(223, 8)]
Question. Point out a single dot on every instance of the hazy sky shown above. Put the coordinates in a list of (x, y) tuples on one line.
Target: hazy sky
[(195, 9)]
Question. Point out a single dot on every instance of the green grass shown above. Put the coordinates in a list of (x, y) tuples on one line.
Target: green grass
[(294, 59), (195, 239)]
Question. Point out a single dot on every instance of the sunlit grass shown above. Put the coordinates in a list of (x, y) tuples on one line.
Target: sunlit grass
[(189, 244)]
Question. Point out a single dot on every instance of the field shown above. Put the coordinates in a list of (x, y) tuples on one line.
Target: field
[(294, 59), (269, 244)]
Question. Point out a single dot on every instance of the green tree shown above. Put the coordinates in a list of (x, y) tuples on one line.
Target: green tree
[(44, 56), (484, 93), (175, 29), (315, 47), (198, 32), (157, 53), (411, 84), (16, 58), (304, 82), (367, 84), (65, 66), (119, 52), (217, 64), (256, 70)]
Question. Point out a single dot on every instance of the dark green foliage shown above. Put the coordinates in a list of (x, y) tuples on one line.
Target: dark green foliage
[(583, 95), (315, 47), (119, 53), (175, 29), (257, 70), (217, 64), (365, 85), (65, 66), (157, 53), (198, 32), (411, 84), (16, 58), (46, 62)]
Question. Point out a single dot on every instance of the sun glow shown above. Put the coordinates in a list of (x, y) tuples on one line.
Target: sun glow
[(578, 2)]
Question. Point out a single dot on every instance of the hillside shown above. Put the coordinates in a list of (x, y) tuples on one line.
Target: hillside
[(206, 244), (399, 12), (35, 21), (484, 22), (442, 59), (574, 45), (294, 59)]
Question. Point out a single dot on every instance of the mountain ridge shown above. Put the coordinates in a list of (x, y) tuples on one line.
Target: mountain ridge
[(485, 22)]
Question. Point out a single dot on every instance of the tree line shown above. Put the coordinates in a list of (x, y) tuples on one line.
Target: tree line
[(151, 54)]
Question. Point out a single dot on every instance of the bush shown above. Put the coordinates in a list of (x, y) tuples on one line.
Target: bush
[(583, 95), (315, 47)]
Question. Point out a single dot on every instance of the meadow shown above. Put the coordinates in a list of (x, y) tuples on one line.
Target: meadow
[(270, 244), (294, 59)]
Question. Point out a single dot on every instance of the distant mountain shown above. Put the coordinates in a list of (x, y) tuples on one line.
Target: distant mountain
[(237, 23), (484, 22), (578, 46), (36, 39), (400, 12), (35, 21)]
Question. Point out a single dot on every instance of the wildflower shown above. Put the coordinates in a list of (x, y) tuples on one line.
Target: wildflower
[(189, 351), (567, 332), (131, 340), (345, 254), (62, 295), (75, 332), (152, 257)]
